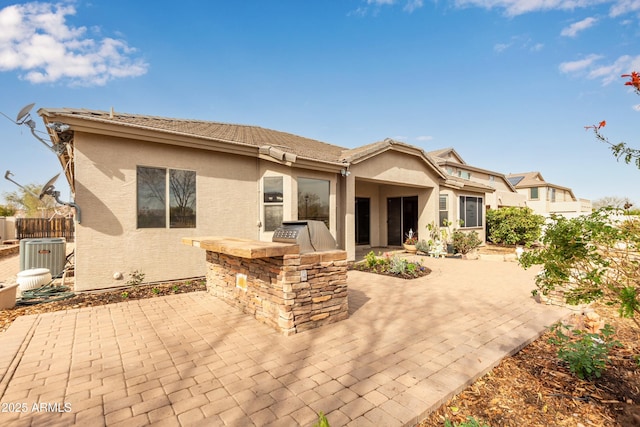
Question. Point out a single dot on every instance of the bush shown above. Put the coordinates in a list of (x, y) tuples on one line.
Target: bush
[(465, 242), (591, 257), (587, 353), (514, 226)]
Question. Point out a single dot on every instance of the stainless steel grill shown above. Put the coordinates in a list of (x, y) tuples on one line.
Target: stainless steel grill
[(311, 236)]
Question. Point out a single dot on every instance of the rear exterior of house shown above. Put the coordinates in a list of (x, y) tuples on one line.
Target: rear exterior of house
[(143, 183)]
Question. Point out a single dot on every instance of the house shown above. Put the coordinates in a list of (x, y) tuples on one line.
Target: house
[(142, 183), (545, 198), (500, 191)]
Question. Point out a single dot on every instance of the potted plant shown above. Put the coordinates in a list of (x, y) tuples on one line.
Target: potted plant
[(410, 241), (8, 295)]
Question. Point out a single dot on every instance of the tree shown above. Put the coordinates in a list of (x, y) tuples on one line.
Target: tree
[(612, 202), (25, 199), (591, 257), (7, 210), (621, 150)]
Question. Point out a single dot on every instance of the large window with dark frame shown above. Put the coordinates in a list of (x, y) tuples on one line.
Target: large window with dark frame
[(165, 196), (471, 211), (313, 199)]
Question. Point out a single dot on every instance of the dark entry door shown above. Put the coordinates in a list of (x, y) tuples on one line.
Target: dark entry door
[(409, 214), (363, 209), (402, 215), (394, 221)]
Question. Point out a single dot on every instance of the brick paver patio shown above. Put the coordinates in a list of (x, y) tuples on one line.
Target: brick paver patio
[(193, 360)]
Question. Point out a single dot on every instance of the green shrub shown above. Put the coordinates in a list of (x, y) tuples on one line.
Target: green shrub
[(471, 422), (398, 265), (586, 353), (514, 226), (422, 246), (464, 242), (371, 259)]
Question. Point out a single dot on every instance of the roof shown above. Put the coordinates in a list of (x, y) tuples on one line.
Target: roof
[(446, 154), (215, 131), (534, 179)]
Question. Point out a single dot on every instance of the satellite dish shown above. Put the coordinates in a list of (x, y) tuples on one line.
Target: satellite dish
[(24, 112), (48, 187)]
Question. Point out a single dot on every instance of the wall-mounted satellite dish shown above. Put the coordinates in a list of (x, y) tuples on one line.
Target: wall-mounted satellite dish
[(24, 113), (49, 189)]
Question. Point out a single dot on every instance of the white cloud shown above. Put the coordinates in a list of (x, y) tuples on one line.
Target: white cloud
[(607, 73), (582, 64), (519, 7), (636, 107), (413, 5), (501, 47), (409, 6), (424, 138), (573, 29), (537, 47), (37, 41), (624, 6)]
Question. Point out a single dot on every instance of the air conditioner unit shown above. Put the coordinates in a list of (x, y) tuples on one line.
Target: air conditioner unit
[(48, 253)]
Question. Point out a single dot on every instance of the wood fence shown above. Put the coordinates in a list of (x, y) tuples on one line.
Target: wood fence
[(35, 228)]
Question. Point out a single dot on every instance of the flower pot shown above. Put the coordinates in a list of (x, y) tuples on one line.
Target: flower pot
[(33, 278), (8, 296), (410, 248)]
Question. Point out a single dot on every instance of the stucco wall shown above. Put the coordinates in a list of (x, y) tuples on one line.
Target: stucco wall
[(107, 240), (396, 174)]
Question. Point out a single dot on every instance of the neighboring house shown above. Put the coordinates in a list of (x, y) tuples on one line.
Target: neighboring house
[(142, 183), (546, 198), (499, 191)]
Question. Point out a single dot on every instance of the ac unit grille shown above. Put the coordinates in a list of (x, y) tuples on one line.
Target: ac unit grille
[(43, 253)]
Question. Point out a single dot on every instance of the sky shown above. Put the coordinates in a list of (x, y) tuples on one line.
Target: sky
[(510, 84)]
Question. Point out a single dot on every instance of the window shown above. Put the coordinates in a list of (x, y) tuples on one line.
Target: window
[(273, 202), (552, 194), (471, 211), (464, 174), (152, 187), (533, 193), (313, 199), (444, 210), (492, 180)]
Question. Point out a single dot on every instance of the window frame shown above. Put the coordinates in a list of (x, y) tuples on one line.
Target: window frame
[(269, 204), (537, 189), (166, 198), (444, 211), (464, 223), (327, 219)]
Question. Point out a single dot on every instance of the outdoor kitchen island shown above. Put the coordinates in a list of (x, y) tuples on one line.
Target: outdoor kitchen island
[(281, 287)]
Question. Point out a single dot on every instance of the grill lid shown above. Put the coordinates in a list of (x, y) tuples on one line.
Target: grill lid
[(310, 235)]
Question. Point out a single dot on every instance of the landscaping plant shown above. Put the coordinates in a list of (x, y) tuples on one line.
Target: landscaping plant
[(591, 257), (465, 242), (470, 422), (514, 226), (586, 353)]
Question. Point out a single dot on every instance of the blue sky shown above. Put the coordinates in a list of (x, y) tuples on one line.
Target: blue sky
[(510, 84)]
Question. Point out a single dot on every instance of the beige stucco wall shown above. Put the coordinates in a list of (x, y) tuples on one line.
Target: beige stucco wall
[(107, 240), (395, 174)]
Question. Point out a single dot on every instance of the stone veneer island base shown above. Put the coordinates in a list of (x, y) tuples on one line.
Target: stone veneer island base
[(274, 282)]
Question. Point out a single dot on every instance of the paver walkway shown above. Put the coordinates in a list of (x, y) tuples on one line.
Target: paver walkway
[(193, 360)]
